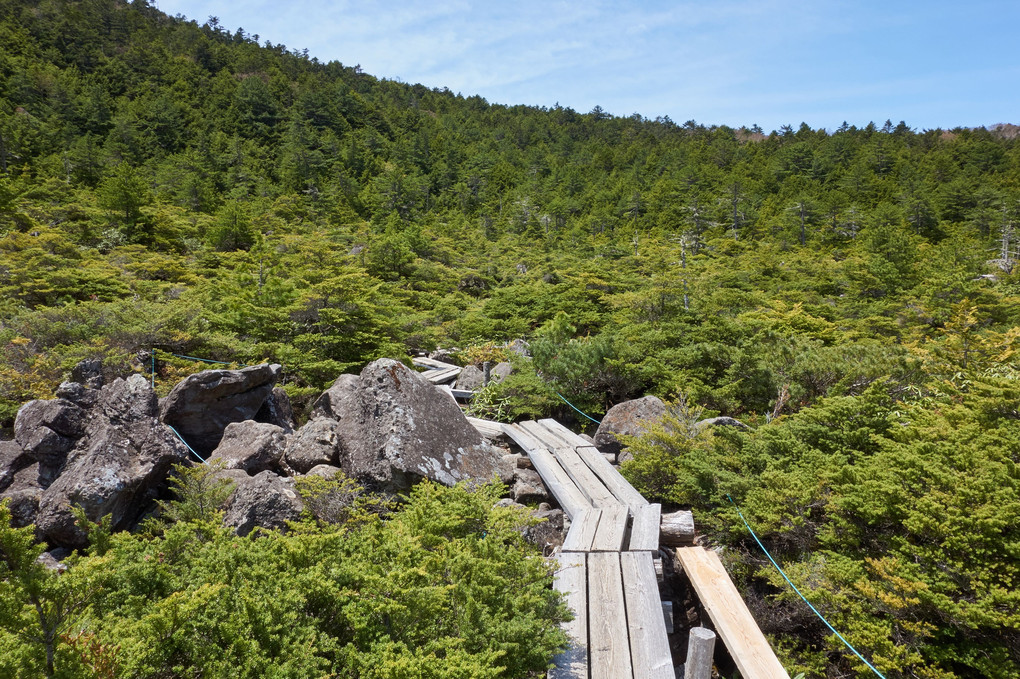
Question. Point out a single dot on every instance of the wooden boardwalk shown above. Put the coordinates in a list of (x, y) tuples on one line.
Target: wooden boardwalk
[(607, 570)]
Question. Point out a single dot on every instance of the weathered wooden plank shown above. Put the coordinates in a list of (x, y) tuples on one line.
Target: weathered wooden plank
[(581, 474), (463, 394), (431, 363), (558, 482), (572, 580), (649, 645), (440, 376), (522, 438), (609, 647), (732, 620), (612, 530), (644, 532), (582, 531), (609, 475), (486, 428)]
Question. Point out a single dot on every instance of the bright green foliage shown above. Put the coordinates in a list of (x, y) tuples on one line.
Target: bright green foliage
[(444, 587)]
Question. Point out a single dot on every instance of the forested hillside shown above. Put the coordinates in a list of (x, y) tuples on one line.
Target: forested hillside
[(852, 294)]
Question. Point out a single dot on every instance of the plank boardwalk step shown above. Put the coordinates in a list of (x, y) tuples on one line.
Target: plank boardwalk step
[(649, 645), (608, 646), (572, 580), (431, 363), (440, 376), (732, 620), (644, 534), (486, 428)]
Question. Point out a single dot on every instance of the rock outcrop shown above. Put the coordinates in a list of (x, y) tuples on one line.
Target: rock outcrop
[(394, 428), (721, 422), (252, 446), (630, 418), (47, 431), (264, 500), (314, 444), (116, 468), (201, 406)]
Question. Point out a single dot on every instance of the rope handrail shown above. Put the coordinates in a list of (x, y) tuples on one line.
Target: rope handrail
[(795, 589), (577, 409)]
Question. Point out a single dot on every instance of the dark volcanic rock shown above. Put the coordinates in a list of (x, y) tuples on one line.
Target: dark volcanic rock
[(277, 410), (47, 430), (23, 495), (470, 378), (265, 500), (395, 427), (12, 460), (89, 373), (116, 468), (314, 444), (201, 406), (252, 446), (78, 394), (528, 487), (631, 418)]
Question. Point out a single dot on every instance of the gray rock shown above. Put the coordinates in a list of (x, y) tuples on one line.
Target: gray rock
[(339, 398), (549, 534), (89, 373), (326, 471), (202, 405), (277, 410), (630, 418), (116, 468), (528, 488), (12, 460), (252, 446), (519, 347), (500, 371), (23, 495), (395, 428), (48, 430), (470, 378), (78, 394), (314, 444), (721, 422), (264, 500)]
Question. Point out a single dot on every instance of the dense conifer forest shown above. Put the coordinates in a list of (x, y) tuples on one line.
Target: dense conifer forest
[(852, 294)]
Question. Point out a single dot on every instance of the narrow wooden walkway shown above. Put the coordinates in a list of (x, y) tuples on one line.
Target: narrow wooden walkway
[(608, 575), (607, 570)]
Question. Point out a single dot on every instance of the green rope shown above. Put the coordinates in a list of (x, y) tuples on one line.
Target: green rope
[(790, 582), (576, 408), (200, 458)]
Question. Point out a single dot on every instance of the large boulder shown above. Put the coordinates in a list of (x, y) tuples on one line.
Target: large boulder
[(116, 468), (720, 422), (23, 495), (13, 459), (277, 410), (264, 500), (47, 431), (630, 418), (314, 444), (470, 378), (202, 405), (251, 446), (394, 428)]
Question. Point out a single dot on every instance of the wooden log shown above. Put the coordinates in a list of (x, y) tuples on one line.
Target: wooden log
[(612, 530), (644, 533), (677, 529), (733, 622), (649, 645), (571, 579), (700, 651), (582, 531), (609, 647)]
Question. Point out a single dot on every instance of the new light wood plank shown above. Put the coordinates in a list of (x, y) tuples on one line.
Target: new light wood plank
[(612, 530), (558, 482), (644, 532), (572, 580), (582, 531), (609, 647), (732, 620), (649, 645), (581, 474)]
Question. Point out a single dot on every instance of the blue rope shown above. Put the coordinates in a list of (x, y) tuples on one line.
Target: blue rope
[(575, 408), (790, 582), (205, 360), (186, 444)]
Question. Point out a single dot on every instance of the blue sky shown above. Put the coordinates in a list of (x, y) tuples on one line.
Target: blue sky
[(734, 62)]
